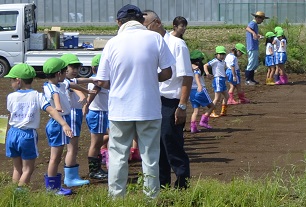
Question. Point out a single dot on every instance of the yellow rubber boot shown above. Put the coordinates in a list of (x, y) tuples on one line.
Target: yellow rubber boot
[(223, 110), (214, 115)]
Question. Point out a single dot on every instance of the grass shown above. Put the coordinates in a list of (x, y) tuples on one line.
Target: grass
[(283, 188)]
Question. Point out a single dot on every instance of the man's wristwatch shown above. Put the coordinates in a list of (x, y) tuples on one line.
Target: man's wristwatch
[(182, 106)]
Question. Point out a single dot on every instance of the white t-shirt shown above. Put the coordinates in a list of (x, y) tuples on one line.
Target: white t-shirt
[(269, 47), (130, 61), (231, 61), (194, 82), (172, 88), (276, 44), (24, 106), (100, 102), (74, 98), (284, 47), (61, 88), (218, 67)]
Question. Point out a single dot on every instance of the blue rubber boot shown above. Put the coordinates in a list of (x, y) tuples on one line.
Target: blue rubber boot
[(54, 184), (72, 177)]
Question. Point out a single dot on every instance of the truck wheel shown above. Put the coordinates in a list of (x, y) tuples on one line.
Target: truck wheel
[(4, 67), (85, 72)]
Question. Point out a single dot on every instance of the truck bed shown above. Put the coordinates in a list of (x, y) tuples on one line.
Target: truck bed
[(38, 58)]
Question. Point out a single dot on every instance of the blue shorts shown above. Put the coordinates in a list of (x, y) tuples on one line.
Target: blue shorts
[(97, 122), (55, 134), (198, 99), (281, 58), (76, 121), (219, 84), (230, 76), (276, 58), (22, 143), (269, 60)]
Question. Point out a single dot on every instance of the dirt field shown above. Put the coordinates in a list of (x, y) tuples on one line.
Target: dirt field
[(252, 140)]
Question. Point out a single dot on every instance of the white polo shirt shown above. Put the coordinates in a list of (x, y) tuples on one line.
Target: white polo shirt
[(74, 98), (24, 106), (284, 47), (100, 102), (218, 67), (61, 88), (130, 61), (231, 61), (172, 88)]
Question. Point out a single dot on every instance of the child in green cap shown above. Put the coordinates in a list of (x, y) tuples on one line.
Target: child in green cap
[(233, 74), (24, 106), (270, 58), (219, 78), (96, 111), (281, 58), (199, 95), (77, 100), (55, 90)]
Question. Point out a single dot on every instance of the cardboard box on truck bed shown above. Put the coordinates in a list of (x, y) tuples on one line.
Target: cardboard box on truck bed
[(53, 38), (99, 43)]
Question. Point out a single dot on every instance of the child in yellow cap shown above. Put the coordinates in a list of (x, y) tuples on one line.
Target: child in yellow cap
[(219, 79), (24, 106)]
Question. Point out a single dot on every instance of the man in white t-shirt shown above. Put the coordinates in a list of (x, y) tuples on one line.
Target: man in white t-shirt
[(174, 96), (128, 66)]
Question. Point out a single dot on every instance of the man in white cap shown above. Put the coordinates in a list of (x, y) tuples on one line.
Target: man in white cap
[(252, 43), (128, 67)]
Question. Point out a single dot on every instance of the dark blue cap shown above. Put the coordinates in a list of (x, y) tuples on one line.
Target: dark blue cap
[(129, 11)]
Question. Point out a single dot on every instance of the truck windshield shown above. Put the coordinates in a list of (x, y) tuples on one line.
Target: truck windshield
[(8, 20)]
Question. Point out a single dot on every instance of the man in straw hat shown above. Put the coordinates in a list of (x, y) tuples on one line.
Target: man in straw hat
[(252, 43)]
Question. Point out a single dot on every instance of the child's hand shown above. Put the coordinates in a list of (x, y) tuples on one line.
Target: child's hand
[(60, 110), (199, 89), (235, 78), (83, 101), (67, 130)]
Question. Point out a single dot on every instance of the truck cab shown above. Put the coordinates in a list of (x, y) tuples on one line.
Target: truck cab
[(17, 21), (17, 24)]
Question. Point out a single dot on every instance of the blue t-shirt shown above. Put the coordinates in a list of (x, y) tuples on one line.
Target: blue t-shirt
[(251, 43)]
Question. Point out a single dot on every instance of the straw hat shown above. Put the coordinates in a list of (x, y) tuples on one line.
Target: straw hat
[(260, 14)]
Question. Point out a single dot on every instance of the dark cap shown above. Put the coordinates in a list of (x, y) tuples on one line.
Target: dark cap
[(129, 11)]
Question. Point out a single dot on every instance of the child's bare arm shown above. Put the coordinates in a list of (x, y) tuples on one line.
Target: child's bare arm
[(84, 80), (81, 95), (57, 117), (206, 71), (57, 102), (80, 88), (90, 98)]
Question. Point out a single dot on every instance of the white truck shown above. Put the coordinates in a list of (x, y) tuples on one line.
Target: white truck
[(17, 23)]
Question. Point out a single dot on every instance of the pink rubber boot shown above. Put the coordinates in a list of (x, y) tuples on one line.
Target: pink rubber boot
[(193, 127), (281, 80), (204, 122), (242, 98), (285, 79), (231, 100)]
